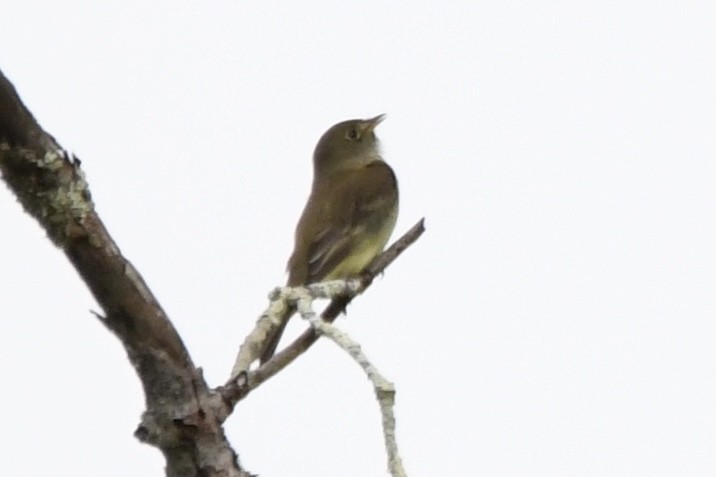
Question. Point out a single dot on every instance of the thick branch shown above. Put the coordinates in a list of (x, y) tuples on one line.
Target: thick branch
[(180, 417)]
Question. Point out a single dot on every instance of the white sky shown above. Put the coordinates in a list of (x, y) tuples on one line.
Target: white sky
[(557, 318)]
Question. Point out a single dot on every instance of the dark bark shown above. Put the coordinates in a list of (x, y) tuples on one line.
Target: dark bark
[(183, 417)]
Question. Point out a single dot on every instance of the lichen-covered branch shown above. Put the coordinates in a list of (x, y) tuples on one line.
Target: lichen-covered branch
[(183, 417), (384, 389), (242, 380)]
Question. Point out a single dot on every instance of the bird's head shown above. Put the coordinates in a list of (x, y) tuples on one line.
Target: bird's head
[(347, 145)]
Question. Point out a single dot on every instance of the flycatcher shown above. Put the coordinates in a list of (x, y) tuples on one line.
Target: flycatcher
[(350, 213)]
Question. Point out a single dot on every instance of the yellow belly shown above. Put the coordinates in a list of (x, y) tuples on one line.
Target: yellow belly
[(364, 251)]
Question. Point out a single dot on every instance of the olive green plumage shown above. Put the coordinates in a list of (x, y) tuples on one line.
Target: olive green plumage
[(350, 213)]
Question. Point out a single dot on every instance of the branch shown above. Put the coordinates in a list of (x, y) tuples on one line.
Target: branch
[(384, 389), (183, 417), (243, 381)]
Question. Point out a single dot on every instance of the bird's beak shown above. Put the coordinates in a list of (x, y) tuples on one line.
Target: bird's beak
[(371, 124)]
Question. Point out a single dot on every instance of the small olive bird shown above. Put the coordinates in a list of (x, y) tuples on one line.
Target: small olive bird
[(350, 213)]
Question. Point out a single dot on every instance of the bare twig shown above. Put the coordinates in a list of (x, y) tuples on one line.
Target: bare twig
[(280, 308), (250, 380), (384, 389)]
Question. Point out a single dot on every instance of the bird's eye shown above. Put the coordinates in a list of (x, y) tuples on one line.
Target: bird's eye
[(352, 134)]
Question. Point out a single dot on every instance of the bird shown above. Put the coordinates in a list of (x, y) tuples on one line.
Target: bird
[(350, 213)]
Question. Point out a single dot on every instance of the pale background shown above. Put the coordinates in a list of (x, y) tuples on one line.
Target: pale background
[(557, 318)]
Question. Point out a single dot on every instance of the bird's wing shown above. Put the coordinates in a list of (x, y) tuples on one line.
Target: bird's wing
[(356, 210), (329, 249)]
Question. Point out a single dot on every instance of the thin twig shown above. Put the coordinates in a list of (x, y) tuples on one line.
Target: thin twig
[(251, 348), (384, 389)]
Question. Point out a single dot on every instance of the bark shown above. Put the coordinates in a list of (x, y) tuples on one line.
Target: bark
[(183, 416)]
